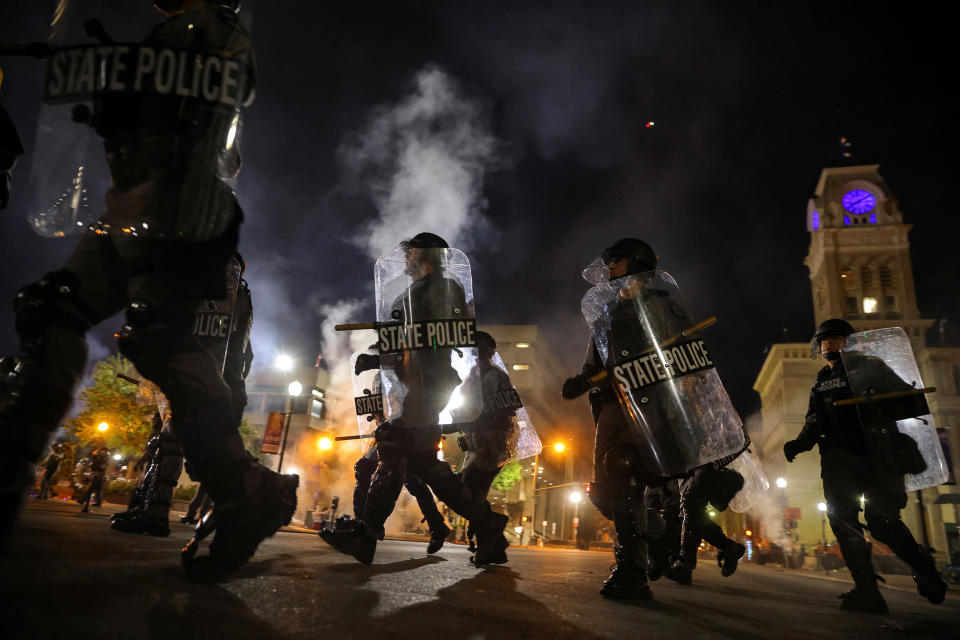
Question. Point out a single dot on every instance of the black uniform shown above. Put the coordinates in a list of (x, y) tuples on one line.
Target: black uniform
[(408, 444), (863, 454), (159, 149), (223, 329)]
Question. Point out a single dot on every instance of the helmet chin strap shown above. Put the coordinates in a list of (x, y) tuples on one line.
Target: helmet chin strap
[(833, 355)]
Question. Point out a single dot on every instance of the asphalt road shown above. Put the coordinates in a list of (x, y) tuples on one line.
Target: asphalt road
[(68, 575)]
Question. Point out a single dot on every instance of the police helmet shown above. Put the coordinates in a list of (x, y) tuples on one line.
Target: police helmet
[(424, 240), (641, 255), (485, 342), (833, 327)]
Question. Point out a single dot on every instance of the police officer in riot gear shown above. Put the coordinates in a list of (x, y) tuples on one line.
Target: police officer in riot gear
[(853, 448), (409, 443), (619, 477), (486, 442), (159, 147), (223, 329)]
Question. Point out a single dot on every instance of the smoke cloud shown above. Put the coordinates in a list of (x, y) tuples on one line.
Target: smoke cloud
[(423, 161)]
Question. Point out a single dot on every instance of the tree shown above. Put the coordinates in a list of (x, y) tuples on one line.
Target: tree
[(112, 400), (509, 475)]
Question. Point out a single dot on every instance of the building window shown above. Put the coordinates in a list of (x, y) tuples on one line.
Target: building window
[(316, 408), (522, 345), (886, 278), (850, 305), (956, 378), (866, 277), (869, 305), (521, 367), (890, 303)]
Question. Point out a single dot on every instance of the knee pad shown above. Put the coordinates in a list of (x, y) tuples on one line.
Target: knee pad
[(600, 498), (52, 301), (725, 484), (884, 528), (364, 468), (622, 463), (151, 334)]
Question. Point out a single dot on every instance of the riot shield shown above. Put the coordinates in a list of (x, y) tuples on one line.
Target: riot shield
[(886, 387), (426, 336), (524, 441), (216, 320), (138, 134), (755, 482), (367, 401), (596, 272), (672, 398)]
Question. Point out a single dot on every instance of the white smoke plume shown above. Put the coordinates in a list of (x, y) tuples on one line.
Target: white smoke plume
[(423, 162)]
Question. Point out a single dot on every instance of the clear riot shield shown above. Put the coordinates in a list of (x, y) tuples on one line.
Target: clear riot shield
[(522, 441), (426, 336), (755, 482), (215, 320), (138, 134), (678, 409), (367, 401), (885, 384)]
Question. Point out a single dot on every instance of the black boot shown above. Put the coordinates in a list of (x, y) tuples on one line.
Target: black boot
[(143, 522), (628, 580), (865, 596), (243, 524), (437, 537), (353, 538), (728, 557), (491, 543), (929, 583)]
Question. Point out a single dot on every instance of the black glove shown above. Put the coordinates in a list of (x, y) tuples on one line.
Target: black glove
[(576, 386), (792, 449), (365, 362)]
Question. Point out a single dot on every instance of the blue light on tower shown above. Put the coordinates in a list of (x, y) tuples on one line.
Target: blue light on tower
[(815, 220), (873, 218), (858, 201), (846, 220)]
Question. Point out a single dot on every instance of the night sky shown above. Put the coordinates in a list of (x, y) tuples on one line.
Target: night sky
[(749, 105)]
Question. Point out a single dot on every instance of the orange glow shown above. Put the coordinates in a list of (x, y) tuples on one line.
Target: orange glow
[(748, 532), (103, 426), (559, 447), (324, 443)]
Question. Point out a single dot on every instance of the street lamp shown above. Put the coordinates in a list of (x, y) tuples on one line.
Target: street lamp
[(293, 390), (559, 447), (324, 443), (283, 362), (782, 483), (103, 426)]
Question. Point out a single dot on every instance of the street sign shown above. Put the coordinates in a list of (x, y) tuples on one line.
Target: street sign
[(791, 513), (273, 433)]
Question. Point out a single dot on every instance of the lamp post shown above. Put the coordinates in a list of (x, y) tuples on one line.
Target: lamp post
[(293, 390), (782, 483), (561, 448), (822, 507), (575, 498)]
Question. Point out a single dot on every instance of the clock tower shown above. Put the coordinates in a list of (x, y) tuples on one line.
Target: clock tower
[(859, 262), (859, 256)]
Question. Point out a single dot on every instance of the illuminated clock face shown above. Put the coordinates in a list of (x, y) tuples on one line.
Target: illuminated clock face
[(858, 201)]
